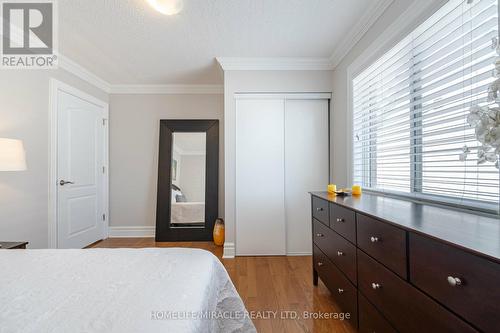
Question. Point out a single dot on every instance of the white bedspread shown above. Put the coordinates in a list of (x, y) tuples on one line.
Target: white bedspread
[(117, 290), (188, 212)]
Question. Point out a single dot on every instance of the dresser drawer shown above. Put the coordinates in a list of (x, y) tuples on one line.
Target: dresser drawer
[(434, 268), (343, 221), (370, 320), (320, 210), (407, 308), (338, 250), (383, 242), (344, 292)]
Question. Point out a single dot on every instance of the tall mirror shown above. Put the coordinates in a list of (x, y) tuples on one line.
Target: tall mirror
[(188, 173), (188, 180)]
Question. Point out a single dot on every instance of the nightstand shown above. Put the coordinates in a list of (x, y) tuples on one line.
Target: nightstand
[(12, 245)]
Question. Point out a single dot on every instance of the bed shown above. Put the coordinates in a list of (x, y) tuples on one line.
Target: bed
[(185, 212), (118, 290), (188, 212)]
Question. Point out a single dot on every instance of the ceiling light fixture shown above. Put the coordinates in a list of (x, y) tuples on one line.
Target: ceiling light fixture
[(167, 7)]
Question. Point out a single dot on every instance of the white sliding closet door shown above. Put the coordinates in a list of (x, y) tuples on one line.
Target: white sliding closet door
[(260, 177), (306, 167)]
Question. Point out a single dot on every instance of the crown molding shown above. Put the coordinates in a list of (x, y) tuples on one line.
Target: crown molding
[(89, 77), (82, 73), (371, 15), (167, 89), (274, 64)]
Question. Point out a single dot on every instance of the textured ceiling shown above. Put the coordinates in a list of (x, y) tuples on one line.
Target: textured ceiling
[(127, 42)]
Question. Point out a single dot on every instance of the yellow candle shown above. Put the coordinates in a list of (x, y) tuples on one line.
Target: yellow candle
[(332, 188), (356, 190)]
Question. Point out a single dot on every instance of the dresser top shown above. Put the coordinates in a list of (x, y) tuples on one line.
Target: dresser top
[(475, 233)]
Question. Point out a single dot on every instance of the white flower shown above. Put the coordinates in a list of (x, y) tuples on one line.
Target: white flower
[(481, 132), (480, 157), (491, 157), (493, 90), (475, 109), (473, 119), (486, 123), (497, 67)]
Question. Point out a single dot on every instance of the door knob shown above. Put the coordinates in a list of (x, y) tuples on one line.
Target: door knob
[(64, 182)]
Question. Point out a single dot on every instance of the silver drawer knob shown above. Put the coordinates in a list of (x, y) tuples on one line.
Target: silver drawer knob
[(340, 290), (376, 286), (340, 220), (340, 253), (454, 281), (320, 263), (319, 235), (374, 239), (319, 209)]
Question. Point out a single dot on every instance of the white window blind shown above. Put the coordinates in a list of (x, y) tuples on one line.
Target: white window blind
[(410, 109)]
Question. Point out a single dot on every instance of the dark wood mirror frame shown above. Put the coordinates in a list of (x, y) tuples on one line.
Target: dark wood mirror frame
[(164, 231)]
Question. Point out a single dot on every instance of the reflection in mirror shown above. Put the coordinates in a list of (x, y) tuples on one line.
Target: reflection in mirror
[(188, 180)]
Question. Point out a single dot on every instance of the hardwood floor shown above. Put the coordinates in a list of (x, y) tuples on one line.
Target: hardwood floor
[(266, 284)]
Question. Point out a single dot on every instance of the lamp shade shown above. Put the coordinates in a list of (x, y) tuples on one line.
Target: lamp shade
[(12, 155)]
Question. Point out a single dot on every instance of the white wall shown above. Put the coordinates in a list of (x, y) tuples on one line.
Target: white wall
[(341, 134), (134, 135), (134, 120), (257, 82), (24, 115), (193, 177)]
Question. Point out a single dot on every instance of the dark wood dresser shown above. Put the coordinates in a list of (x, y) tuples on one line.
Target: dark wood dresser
[(13, 245), (400, 266)]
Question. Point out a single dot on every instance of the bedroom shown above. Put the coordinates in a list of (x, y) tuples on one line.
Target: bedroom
[(128, 128)]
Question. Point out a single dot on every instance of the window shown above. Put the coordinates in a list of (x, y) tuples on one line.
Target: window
[(410, 109)]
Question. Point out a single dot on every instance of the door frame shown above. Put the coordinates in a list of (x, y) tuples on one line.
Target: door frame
[(56, 87)]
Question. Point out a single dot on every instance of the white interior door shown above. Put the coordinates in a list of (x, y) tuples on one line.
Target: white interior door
[(260, 213), (306, 167), (81, 156)]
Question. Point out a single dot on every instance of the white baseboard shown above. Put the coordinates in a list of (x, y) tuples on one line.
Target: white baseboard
[(229, 251), (132, 232), (143, 231), (293, 254)]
